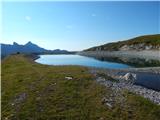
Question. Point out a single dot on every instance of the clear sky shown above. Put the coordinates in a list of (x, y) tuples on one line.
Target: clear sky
[(77, 25)]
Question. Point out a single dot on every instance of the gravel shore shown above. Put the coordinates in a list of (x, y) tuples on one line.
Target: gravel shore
[(121, 84)]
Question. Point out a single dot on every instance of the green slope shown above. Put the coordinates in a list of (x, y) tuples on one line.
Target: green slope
[(32, 91), (147, 40)]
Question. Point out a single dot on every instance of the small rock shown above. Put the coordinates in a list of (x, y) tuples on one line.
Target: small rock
[(12, 115), (12, 104), (101, 118), (37, 91), (109, 105), (21, 97), (130, 77), (38, 98), (68, 78), (53, 84), (6, 118), (104, 100)]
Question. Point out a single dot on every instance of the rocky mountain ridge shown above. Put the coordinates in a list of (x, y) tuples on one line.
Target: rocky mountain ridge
[(147, 42), (29, 47)]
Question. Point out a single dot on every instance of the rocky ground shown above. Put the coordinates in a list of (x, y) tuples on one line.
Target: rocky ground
[(120, 83)]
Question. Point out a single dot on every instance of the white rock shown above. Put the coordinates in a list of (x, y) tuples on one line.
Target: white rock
[(12, 104), (109, 105), (130, 77), (68, 78)]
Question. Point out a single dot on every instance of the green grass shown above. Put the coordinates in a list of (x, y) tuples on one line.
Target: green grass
[(49, 96), (146, 40)]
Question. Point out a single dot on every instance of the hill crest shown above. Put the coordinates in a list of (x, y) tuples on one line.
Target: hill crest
[(146, 42)]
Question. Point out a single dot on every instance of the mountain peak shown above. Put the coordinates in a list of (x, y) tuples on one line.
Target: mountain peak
[(14, 43), (29, 43), (29, 47)]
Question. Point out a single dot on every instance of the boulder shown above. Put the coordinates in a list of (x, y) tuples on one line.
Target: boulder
[(129, 77)]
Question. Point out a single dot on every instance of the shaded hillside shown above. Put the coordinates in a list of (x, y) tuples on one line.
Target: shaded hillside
[(147, 42)]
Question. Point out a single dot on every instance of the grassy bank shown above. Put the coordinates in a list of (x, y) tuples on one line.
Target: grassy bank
[(31, 91)]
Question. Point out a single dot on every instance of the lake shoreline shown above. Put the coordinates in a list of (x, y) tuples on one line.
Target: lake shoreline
[(144, 54), (137, 89), (79, 60)]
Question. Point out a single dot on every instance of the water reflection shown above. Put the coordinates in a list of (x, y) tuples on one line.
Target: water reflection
[(135, 62)]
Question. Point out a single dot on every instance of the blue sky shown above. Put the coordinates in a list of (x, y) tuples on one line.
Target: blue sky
[(77, 25)]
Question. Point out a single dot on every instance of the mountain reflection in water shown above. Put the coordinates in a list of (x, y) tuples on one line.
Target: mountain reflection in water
[(135, 62)]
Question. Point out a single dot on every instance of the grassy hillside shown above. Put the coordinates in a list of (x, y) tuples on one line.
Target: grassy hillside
[(32, 91), (147, 40)]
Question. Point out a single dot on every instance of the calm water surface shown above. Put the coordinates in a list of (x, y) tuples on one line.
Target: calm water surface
[(149, 80), (78, 60)]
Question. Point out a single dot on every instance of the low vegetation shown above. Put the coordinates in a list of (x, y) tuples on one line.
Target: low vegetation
[(153, 40), (32, 91)]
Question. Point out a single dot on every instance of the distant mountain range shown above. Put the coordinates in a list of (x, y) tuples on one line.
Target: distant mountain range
[(147, 42), (7, 49)]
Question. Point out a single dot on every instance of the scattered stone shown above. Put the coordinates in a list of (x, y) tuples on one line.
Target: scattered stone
[(37, 91), (6, 118), (21, 97), (101, 118), (122, 85), (12, 104), (101, 80), (117, 87), (69, 78), (38, 98), (40, 108), (103, 100), (53, 84), (106, 102), (109, 105), (12, 115)]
